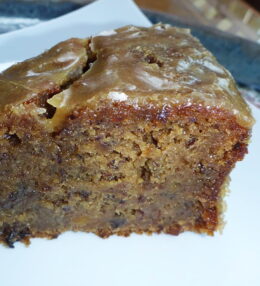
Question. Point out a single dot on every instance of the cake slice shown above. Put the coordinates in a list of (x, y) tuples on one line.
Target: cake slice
[(136, 131)]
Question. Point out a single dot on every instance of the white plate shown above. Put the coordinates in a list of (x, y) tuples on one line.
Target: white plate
[(78, 259)]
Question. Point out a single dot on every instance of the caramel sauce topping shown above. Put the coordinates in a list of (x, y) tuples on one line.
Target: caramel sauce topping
[(157, 66)]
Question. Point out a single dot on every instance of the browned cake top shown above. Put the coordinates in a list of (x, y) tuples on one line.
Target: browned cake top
[(158, 66)]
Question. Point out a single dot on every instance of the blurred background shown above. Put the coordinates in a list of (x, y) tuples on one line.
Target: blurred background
[(235, 16), (239, 17)]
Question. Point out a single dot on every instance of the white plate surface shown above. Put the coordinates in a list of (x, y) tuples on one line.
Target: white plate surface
[(78, 259)]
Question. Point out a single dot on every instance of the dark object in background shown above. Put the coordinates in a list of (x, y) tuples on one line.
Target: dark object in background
[(40, 10), (19, 14), (254, 3)]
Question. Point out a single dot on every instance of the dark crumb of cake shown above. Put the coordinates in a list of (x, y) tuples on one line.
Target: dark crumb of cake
[(14, 233), (133, 132)]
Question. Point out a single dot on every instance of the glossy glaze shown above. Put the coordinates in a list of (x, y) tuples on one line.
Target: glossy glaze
[(42, 74), (158, 66)]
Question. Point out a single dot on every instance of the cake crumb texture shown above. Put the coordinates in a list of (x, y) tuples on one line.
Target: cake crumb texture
[(136, 131)]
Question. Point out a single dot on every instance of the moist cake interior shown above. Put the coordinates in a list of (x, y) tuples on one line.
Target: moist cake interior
[(116, 165)]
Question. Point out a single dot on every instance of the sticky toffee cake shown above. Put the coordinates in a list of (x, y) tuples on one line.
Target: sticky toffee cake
[(136, 131)]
